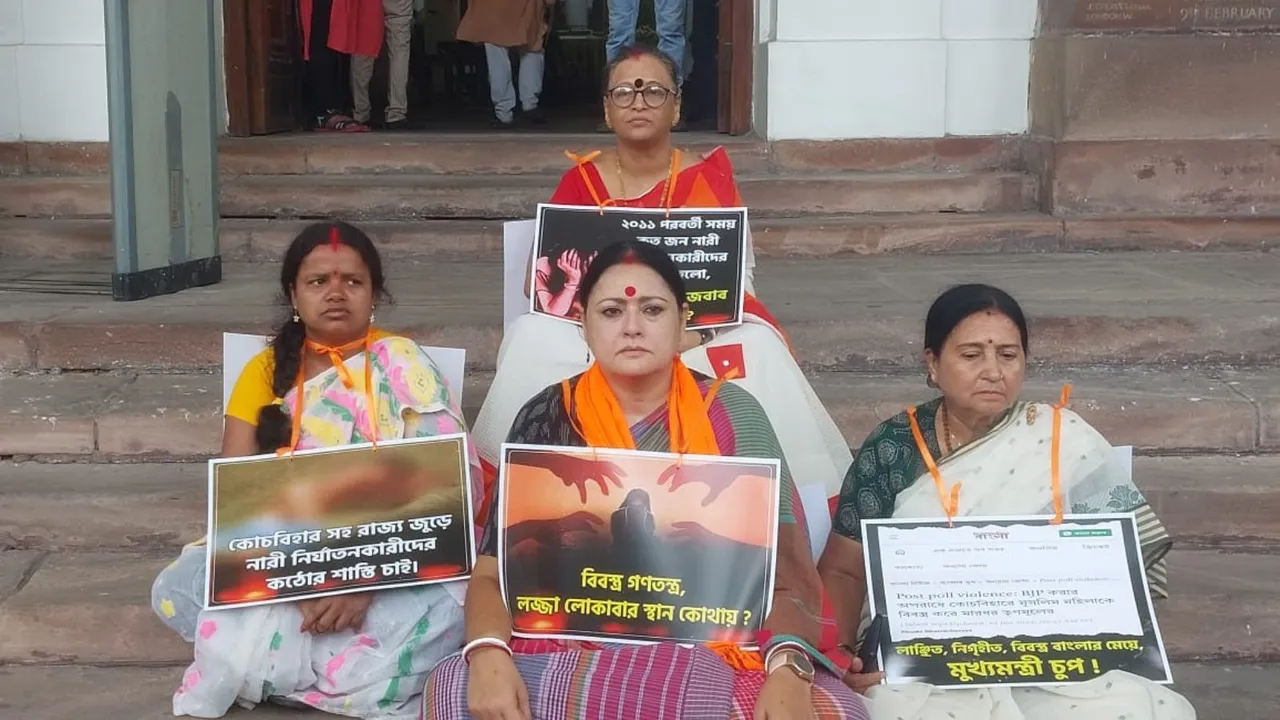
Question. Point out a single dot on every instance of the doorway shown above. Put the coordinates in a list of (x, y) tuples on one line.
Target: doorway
[(448, 80)]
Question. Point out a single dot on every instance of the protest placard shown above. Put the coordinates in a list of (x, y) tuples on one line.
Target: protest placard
[(631, 546), (708, 245), (1012, 601), (337, 520)]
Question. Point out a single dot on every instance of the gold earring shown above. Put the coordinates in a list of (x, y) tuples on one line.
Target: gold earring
[(373, 316), (295, 315)]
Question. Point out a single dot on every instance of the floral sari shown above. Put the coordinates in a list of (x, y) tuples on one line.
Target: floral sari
[(538, 351), (252, 655), (665, 679), (1005, 472)]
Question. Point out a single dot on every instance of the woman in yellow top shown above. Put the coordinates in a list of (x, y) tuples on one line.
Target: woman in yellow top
[(362, 654)]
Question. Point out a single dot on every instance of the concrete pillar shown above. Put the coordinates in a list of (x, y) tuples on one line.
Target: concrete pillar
[(161, 92)]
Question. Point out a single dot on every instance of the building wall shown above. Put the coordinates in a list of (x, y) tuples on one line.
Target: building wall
[(53, 70), (831, 69), (825, 69)]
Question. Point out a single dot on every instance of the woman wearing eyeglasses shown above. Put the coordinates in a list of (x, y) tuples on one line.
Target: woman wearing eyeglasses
[(643, 169)]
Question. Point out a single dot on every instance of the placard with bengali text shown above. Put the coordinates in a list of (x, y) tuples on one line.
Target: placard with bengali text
[(1015, 601), (629, 546), (708, 245), (338, 520)]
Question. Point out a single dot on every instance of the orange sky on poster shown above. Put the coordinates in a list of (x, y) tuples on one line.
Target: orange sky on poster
[(742, 512)]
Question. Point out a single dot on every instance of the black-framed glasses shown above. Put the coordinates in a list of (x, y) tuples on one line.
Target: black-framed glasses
[(655, 95)]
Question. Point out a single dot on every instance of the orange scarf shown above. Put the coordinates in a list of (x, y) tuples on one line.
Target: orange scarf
[(596, 415)]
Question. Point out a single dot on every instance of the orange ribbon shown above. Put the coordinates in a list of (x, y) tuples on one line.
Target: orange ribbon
[(950, 499), (335, 355), (1056, 450)]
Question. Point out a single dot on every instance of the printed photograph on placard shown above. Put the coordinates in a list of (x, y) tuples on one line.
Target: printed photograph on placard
[(1012, 601), (634, 546), (325, 522), (707, 245)]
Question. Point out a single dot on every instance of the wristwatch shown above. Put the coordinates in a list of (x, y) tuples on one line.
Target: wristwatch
[(793, 660)]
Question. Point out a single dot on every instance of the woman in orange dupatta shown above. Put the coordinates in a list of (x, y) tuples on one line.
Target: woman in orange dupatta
[(645, 170), (639, 395)]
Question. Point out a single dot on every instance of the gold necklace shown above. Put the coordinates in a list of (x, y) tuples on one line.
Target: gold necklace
[(948, 437), (622, 183)]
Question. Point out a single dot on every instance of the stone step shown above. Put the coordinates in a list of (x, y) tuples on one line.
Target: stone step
[(94, 608), (123, 416), (380, 196), (1220, 691), (506, 196), (845, 313), (258, 240), (520, 153), (1217, 502)]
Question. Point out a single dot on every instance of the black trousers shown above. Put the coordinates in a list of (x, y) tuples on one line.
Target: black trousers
[(326, 86)]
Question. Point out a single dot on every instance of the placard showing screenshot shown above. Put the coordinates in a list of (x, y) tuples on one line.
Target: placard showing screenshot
[(337, 520), (630, 546), (1012, 601), (708, 245)]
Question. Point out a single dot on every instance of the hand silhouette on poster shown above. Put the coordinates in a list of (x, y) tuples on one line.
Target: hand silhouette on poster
[(576, 471), (715, 476), (555, 532)]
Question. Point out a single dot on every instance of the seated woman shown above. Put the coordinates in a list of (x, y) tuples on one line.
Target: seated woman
[(363, 654), (639, 395), (644, 170), (997, 449)]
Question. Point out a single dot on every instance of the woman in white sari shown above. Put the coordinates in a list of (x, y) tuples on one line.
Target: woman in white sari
[(997, 450)]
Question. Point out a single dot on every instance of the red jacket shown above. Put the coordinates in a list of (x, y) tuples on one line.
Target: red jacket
[(355, 27)]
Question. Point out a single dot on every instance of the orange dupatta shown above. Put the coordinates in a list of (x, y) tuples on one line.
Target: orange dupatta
[(594, 411)]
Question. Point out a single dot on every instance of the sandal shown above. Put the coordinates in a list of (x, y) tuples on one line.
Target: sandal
[(339, 123)]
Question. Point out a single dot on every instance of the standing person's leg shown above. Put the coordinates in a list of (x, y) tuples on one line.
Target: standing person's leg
[(322, 68), (532, 66), (622, 26), (324, 75), (501, 91), (399, 24), (669, 18), (361, 76)]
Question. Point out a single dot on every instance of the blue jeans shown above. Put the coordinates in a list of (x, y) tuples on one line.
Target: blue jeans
[(623, 15)]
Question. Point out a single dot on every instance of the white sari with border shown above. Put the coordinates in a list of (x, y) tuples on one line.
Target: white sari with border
[(1006, 472)]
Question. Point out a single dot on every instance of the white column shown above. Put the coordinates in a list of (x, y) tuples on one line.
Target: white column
[(837, 69), (988, 65), (53, 75)]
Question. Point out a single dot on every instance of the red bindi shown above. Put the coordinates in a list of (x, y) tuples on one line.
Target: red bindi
[(630, 291)]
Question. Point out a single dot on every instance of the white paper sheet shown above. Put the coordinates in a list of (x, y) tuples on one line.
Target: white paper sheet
[(517, 242)]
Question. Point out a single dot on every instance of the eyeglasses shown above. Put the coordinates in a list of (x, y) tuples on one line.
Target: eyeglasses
[(655, 95)]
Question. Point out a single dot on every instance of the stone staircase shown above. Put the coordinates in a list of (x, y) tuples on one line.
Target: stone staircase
[(107, 410)]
